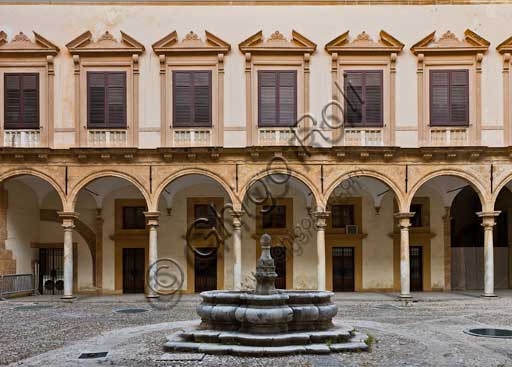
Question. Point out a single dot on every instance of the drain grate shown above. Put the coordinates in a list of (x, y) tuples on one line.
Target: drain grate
[(131, 310), (490, 333), (93, 355), (31, 307)]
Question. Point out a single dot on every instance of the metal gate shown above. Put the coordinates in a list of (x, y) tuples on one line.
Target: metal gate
[(416, 268), (278, 253), (51, 271), (343, 279), (205, 267)]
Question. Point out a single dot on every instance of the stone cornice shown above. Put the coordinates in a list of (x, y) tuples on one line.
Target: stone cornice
[(363, 43), (277, 43), (448, 42), (106, 44), (21, 45), (191, 43)]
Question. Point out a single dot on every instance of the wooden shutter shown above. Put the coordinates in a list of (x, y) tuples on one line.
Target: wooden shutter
[(363, 98), (21, 101), (106, 100), (277, 98), (449, 97), (192, 95)]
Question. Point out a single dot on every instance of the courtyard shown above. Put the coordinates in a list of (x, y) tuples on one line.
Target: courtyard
[(45, 331)]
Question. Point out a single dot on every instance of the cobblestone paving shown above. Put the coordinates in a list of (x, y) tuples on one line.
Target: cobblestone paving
[(428, 333)]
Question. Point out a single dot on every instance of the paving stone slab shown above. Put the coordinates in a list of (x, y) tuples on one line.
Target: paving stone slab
[(348, 347), (317, 349), (166, 357), (179, 346)]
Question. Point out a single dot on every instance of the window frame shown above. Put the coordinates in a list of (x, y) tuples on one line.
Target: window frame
[(22, 125), (363, 122), (210, 99), (136, 207), (106, 124), (450, 122), (276, 124)]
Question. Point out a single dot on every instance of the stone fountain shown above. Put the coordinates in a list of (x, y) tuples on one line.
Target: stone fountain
[(267, 321)]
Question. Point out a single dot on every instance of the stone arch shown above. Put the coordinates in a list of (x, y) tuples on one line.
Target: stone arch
[(367, 173), (318, 198), (194, 171), (472, 180), (497, 190), (36, 173), (73, 195)]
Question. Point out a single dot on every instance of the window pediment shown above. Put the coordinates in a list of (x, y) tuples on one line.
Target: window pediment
[(277, 43), (450, 43), (191, 43), (505, 46), (22, 45), (364, 43), (106, 44)]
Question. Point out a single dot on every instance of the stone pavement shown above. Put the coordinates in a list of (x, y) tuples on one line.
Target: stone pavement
[(45, 331)]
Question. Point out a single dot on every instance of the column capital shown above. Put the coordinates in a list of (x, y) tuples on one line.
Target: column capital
[(404, 219), (236, 216), (68, 219), (321, 219), (152, 218), (488, 218)]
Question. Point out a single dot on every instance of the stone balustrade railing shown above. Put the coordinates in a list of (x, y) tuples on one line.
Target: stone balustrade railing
[(22, 138)]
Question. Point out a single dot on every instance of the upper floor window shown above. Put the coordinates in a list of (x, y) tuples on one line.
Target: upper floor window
[(417, 219), (342, 215), (274, 216), (449, 97), (277, 98), (21, 100), (363, 98), (205, 215), (106, 99), (192, 98)]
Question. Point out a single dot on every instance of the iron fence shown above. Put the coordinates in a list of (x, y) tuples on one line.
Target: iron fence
[(16, 283)]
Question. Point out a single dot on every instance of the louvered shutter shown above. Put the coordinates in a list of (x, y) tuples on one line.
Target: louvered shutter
[(267, 98), (192, 99), (287, 108), (373, 98), (116, 99), (21, 101), (459, 97), (439, 97), (353, 86), (106, 100)]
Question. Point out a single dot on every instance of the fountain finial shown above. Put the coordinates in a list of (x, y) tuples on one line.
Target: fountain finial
[(265, 269)]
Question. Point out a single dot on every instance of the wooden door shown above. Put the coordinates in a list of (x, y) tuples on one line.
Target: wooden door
[(278, 253), (205, 270), (343, 279), (133, 270), (416, 268)]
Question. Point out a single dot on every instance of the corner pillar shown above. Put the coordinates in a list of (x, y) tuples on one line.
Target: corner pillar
[(320, 224), (237, 248)]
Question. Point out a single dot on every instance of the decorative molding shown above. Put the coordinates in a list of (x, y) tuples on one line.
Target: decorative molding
[(449, 43), (505, 48), (105, 44), (277, 43), (364, 43), (22, 45), (191, 43)]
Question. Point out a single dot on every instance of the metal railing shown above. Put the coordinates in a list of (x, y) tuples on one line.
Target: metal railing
[(17, 283)]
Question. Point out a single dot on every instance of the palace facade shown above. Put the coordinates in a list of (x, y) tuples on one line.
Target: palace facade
[(373, 142)]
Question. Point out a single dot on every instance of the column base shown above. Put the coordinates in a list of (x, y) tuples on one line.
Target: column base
[(152, 296), (488, 295), (68, 298), (405, 297)]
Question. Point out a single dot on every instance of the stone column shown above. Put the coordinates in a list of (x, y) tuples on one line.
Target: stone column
[(488, 222), (68, 223), (320, 224), (152, 222), (237, 248), (404, 222), (99, 249)]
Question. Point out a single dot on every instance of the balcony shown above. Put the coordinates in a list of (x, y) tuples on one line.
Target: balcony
[(277, 136), (22, 138), (363, 137), (448, 136), (102, 138), (192, 137)]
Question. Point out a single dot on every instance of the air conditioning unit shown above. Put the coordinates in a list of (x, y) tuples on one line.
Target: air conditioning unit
[(351, 229)]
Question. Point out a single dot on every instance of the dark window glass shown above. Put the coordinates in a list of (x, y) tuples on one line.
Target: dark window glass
[(449, 97), (205, 211), (106, 99), (21, 101), (133, 217), (277, 98), (342, 215), (417, 219), (274, 216), (363, 98), (192, 98)]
